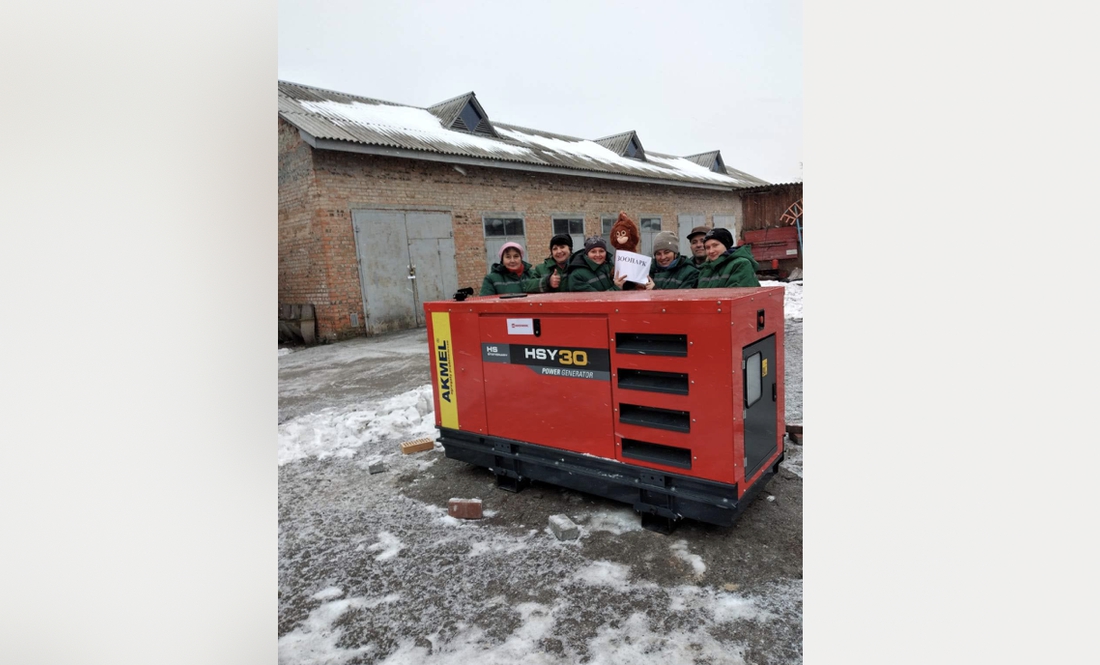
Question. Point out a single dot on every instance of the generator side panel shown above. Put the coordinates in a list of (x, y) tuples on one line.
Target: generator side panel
[(547, 379), (756, 326), (672, 387), (457, 379)]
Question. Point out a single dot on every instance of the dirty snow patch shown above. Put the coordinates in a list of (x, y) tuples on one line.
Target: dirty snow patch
[(614, 521), (343, 432), (328, 594), (388, 544), (792, 298), (679, 548), (792, 458)]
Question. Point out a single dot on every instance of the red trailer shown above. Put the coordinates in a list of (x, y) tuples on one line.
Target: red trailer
[(670, 401)]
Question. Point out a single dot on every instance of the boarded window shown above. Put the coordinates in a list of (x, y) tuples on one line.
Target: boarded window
[(650, 227)]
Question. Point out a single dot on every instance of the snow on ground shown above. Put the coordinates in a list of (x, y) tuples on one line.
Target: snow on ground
[(792, 298), (342, 432)]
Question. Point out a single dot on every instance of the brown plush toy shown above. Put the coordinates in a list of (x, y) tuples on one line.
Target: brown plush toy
[(625, 234)]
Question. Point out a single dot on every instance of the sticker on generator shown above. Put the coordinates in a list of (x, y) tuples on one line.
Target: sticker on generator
[(564, 361), (764, 367), (521, 326), (443, 357)]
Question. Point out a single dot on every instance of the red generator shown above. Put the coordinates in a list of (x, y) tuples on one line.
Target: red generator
[(670, 401)]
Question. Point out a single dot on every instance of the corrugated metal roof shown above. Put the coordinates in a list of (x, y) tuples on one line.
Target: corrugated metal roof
[(766, 186), (326, 114), (616, 143), (705, 159), (448, 110)]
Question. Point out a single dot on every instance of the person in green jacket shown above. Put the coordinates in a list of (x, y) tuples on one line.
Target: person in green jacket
[(551, 272), (669, 270), (590, 270), (698, 251), (511, 275), (727, 265)]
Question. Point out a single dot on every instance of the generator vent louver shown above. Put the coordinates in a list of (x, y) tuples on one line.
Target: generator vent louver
[(651, 416), (673, 383), (657, 453), (647, 344)]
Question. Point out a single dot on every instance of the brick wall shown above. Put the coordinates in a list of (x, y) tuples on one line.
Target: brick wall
[(317, 260), (301, 261)]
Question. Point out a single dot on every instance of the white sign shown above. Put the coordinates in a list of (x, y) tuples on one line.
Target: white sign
[(521, 326), (634, 266)]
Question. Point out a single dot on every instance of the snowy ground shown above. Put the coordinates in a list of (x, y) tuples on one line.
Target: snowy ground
[(373, 570)]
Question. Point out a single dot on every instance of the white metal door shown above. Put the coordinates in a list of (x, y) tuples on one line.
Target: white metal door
[(406, 258)]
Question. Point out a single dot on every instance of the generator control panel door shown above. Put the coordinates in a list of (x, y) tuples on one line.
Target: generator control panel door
[(548, 381), (758, 375)]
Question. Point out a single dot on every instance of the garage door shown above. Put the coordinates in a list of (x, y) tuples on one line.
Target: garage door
[(406, 258)]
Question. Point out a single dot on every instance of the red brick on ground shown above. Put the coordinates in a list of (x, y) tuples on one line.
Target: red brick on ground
[(464, 509)]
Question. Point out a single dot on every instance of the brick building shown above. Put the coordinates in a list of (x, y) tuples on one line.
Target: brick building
[(383, 206)]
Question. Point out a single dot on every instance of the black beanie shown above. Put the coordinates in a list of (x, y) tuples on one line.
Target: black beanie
[(721, 235), (562, 239)]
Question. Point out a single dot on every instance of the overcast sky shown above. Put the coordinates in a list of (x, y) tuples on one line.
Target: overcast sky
[(689, 77)]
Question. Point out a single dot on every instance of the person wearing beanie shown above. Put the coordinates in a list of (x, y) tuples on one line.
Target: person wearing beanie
[(669, 270), (590, 268), (727, 265), (698, 252), (551, 272), (511, 275)]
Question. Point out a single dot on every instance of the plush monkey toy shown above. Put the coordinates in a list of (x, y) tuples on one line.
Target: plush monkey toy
[(625, 234)]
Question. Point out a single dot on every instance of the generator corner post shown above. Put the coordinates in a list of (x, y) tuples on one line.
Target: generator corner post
[(668, 401)]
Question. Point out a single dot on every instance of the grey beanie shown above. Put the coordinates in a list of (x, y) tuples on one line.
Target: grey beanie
[(666, 240), (594, 241)]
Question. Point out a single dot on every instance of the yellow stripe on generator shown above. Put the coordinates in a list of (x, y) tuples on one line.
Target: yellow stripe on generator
[(444, 369)]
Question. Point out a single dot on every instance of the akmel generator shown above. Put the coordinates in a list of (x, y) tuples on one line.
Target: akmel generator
[(670, 401)]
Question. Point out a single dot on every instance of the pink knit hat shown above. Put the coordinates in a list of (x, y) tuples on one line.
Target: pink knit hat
[(500, 254)]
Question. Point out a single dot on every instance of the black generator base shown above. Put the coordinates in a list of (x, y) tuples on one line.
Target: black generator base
[(663, 499)]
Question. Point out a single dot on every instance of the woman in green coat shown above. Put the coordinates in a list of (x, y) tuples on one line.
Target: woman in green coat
[(511, 275), (590, 270), (552, 271), (726, 265), (669, 270)]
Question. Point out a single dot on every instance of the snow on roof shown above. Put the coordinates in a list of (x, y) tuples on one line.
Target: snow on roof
[(336, 116), (416, 121)]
